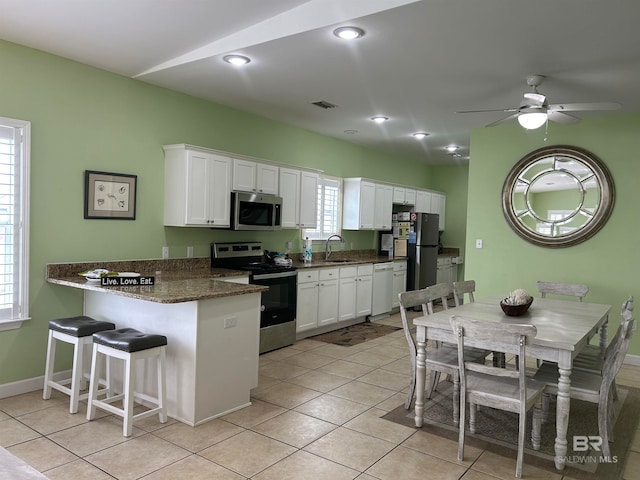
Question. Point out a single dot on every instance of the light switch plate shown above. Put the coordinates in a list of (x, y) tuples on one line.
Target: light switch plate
[(479, 243)]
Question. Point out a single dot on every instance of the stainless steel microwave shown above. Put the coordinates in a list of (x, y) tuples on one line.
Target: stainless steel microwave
[(255, 211)]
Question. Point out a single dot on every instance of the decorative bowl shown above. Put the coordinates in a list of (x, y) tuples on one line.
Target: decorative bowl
[(515, 310)]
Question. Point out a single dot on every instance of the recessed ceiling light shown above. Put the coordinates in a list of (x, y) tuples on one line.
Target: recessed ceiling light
[(379, 119), (348, 33), (420, 135), (351, 132), (452, 148), (236, 60)]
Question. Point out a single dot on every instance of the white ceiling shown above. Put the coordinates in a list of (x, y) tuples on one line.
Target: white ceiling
[(418, 63)]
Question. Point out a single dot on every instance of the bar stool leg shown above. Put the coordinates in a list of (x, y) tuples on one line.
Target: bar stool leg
[(162, 386), (128, 390), (93, 383), (77, 374), (48, 371)]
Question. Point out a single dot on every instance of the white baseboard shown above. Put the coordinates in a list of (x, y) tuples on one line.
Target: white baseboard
[(632, 360), (29, 385)]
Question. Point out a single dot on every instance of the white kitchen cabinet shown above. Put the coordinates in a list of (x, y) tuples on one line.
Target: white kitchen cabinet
[(347, 295), (317, 298), (438, 206), (197, 188), (383, 207), (251, 176), (328, 296), (399, 281), (404, 196), (364, 290), (307, 303), (358, 204), (298, 190), (423, 202), (444, 272)]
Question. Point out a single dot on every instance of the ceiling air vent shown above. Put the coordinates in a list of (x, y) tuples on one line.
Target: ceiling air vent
[(323, 104)]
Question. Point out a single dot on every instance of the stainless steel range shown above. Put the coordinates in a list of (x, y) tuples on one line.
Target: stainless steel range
[(278, 311)]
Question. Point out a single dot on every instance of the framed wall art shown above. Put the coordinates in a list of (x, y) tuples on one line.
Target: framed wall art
[(109, 195)]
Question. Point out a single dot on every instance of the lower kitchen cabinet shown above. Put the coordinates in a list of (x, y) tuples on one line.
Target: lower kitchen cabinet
[(364, 290), (317, 298), (444, 272), (332, 295), (399, 281)]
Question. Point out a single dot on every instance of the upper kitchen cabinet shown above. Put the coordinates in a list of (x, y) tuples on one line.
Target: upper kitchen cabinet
[(358, 204), (298, 189), (423, 202), (197, 187), (383, 207), (438, 201), (404, 196), (256, 177)]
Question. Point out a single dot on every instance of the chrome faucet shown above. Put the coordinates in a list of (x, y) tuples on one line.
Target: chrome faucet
[(327, 249)]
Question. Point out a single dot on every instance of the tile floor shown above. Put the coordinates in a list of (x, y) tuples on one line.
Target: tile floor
[(315, 415)]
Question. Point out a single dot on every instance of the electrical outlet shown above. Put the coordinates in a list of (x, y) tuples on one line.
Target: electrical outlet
[(479, 243), (189, 252), (165, 252), (230, 322)]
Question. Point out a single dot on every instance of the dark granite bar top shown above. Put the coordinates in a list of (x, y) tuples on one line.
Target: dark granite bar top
[(176, 280)]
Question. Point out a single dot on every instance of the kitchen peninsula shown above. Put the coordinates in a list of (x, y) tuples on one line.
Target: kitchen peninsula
[(210, 317)]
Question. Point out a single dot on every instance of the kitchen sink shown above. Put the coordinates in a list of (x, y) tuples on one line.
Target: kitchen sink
[(340, 261)]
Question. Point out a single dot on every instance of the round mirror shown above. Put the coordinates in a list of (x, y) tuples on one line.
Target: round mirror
[(558, 196)]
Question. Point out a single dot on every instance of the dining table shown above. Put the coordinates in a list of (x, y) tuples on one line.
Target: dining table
[(564, 327)]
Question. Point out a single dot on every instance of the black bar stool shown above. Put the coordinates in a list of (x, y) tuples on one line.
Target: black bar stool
[(129, 345), (77, 331)]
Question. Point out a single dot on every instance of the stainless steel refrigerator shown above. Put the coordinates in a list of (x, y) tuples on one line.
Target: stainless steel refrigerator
[(422, 252)]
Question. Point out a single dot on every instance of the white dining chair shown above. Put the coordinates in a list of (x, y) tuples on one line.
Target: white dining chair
[(495, 387), (442, 358), (566, 289), (593, 386)]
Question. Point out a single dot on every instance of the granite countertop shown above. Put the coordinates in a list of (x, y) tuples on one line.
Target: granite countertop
[(176, 281)]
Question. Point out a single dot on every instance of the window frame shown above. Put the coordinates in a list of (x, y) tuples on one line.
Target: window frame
[(22, 154), (322, 236)]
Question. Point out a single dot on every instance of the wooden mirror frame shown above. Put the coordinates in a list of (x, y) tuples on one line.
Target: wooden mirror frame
[(592, 225)]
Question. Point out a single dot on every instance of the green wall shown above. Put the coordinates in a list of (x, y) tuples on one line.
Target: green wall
[(88, 119), (608, 262)]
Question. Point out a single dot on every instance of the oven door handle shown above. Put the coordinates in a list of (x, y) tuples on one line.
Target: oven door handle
[(267, 276)]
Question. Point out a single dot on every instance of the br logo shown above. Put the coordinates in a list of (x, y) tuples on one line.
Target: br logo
[(582, 443)]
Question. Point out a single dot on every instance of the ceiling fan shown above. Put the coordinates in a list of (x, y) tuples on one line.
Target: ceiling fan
[(534, 110)]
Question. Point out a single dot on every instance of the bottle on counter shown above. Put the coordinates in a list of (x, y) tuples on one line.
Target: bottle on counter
[(307, 250)]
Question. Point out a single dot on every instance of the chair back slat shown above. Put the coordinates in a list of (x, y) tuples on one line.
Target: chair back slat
[(567, 289)]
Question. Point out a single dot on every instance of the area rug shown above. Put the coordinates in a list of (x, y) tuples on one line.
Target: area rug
[(355, 334), (497, 432)]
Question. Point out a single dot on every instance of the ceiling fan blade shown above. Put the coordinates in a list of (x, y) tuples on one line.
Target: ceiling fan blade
[(494, 110), (581, 107), (505, 119), (561, 117)]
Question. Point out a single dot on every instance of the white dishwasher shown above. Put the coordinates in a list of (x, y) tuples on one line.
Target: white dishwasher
[(382, 289)]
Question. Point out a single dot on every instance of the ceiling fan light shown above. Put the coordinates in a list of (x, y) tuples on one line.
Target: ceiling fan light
[(532, 120)]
